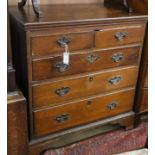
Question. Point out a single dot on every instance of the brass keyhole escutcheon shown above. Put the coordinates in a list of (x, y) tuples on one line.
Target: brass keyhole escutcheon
[(89, 103), (91, 78)]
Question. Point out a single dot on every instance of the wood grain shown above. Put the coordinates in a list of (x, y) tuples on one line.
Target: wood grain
[(44, 94), (74, 15), (139, 5), (79, 62), (11, 82), (43, 45), (146, 78), (82, 112), (68, 18), (15, 2), (17, 124), (144, 100), (80, 133), (107, 36)]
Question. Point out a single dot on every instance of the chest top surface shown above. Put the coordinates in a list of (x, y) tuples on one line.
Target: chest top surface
[(71, 13)]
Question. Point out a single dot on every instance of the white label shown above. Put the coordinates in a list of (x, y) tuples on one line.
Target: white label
[(66, 58)]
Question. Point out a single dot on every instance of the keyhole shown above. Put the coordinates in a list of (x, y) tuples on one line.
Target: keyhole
[(91, 78), (89, 103)]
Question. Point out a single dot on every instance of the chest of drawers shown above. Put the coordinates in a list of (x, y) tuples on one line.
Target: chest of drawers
[(100, 80)]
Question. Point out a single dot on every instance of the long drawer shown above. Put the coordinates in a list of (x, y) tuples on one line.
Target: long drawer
[(50, 93), (82, 111), (50, 44), (119, 35), (84, 62)]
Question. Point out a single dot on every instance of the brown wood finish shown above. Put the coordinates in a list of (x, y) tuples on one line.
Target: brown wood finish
[(142, 7), (81, 112), (108, 36), (17, 129), (146, 78), (17, 134), (139, 5), (85, 62), (61, 15), (43, 2), (76, 134), (142, 88), (81, 86), (73, 20), (43, 45), (11, 83), (144, 100)]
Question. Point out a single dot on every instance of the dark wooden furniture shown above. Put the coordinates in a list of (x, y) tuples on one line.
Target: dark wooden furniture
[(38, 13), (141, 102), (96, 88), (11, 83), (35, 5), (17, 135), (142, 90)]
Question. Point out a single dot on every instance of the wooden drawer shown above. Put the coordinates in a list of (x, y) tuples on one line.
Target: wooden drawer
[(44, 45), (119, 35), (53, 92), (144, 101), (82, 111), (84, 62)]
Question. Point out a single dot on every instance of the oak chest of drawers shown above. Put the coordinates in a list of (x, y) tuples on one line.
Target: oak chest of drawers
[(97, 84)]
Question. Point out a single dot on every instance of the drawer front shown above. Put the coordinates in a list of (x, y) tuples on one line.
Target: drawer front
[(44, 45), (144, 101), (84, 62), (81, 86), (119, 35), (83, 111)]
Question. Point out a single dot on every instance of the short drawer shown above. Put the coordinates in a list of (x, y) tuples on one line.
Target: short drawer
[(82, 111), (144, 101), (53, 92), (119, 35), (45, 45), (84, 62)]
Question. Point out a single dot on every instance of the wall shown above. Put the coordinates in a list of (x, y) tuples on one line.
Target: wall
[(15, 2)]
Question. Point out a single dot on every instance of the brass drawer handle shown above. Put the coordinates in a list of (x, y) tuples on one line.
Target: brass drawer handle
[(63, 41), (92, 58), (121, 35), (62, 118), (117, 57), (62, 91), (115, 80), (112, 105), (61, 67)]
